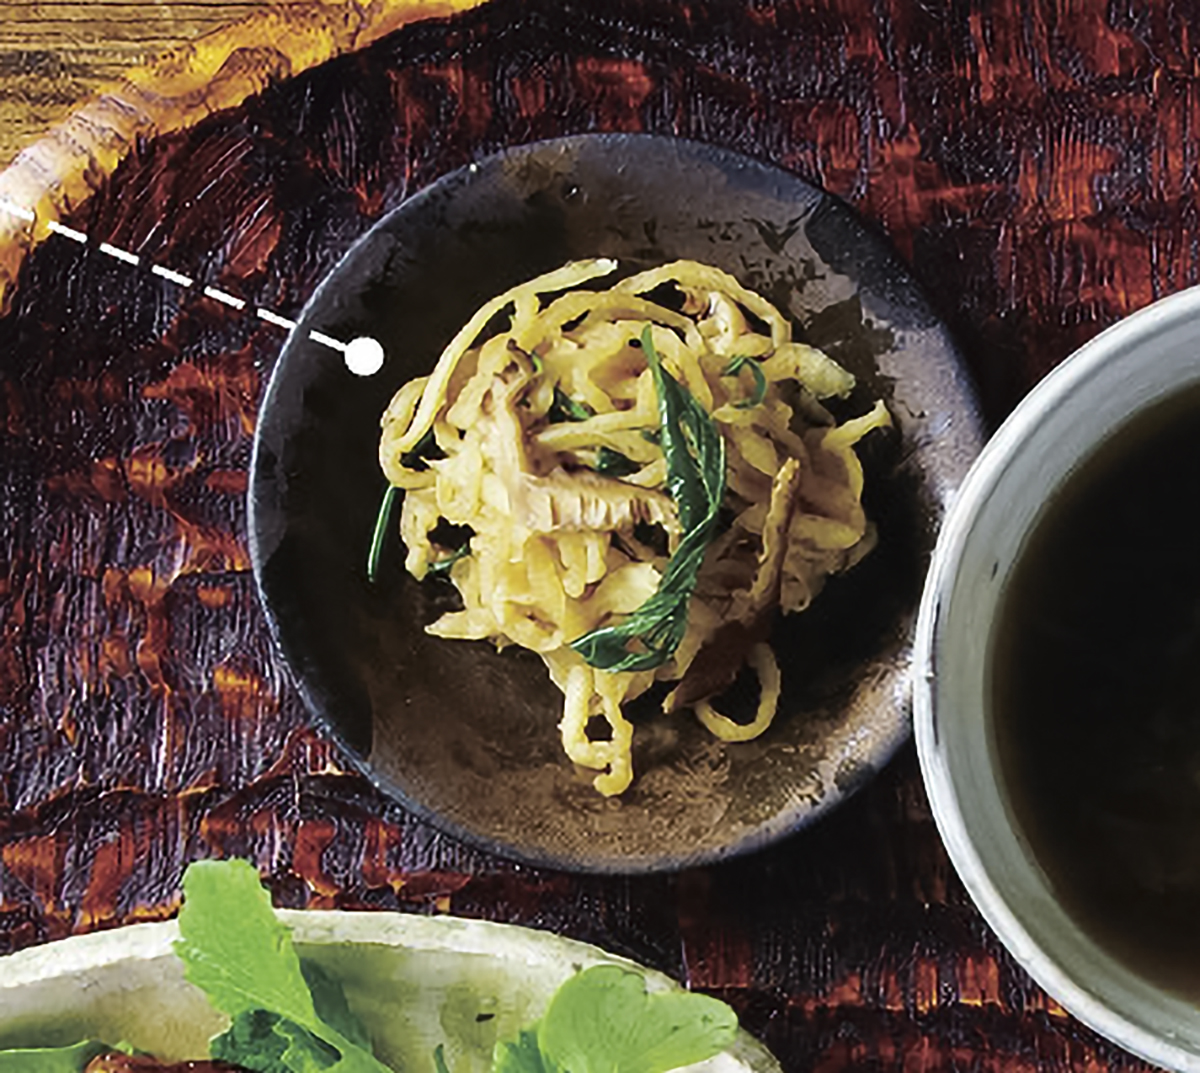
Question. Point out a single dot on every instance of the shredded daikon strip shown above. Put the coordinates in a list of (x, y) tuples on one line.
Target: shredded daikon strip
[(542, 441)]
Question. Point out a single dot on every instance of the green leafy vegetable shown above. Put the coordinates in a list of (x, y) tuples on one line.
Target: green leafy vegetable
[(289, 1016), (565, 408), (695, 454), (442, 566), (268, 1043), (53, 1059), (235, 950), (382, 520), (610, 463), (522, 1055), (603, 1020), (329, 1000), (422, 451), (760, 381)]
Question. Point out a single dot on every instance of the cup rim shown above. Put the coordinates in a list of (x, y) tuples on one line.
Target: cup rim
[(958, 529)]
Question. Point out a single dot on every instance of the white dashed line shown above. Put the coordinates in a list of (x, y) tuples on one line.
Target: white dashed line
[(174, 277), (67, 232), (15, 210), (364, 356), (275, 318), (327, 340), (223, 296), (120, 255)]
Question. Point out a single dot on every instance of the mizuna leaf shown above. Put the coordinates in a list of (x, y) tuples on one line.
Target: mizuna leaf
[(235, 950), (695, 455)]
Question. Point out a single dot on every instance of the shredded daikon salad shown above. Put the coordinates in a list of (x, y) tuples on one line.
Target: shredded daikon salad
[(630, 481)]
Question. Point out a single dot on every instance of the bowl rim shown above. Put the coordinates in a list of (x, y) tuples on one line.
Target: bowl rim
[(958, 531), (144, 952)]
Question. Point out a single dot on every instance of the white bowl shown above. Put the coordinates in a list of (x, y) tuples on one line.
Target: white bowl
[(1131, 366), (415, 982)]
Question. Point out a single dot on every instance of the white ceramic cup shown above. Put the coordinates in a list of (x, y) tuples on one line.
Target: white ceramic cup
[(1133, 365)]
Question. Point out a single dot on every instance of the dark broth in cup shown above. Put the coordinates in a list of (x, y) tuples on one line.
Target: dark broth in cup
[(1096, 693)]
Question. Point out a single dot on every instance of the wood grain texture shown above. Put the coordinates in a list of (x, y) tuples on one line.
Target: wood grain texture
[(173, 91), (55, 56), (1035, 162)]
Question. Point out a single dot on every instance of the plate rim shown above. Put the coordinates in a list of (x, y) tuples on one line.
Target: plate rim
[(787, 821)]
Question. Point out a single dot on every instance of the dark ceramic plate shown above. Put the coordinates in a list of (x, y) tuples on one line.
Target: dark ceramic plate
[(467, 737)]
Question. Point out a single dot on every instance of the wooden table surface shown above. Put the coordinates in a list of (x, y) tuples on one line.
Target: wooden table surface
[(1036, 164), (55, 56)]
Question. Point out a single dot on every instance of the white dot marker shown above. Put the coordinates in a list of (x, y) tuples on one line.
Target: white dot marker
[(364, 356)]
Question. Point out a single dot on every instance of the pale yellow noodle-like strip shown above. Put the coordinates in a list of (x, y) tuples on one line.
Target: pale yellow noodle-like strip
[(762, 659), (507, 470), (706, 277), (619, 754), (811, 367), (573, 725), (571, 275)]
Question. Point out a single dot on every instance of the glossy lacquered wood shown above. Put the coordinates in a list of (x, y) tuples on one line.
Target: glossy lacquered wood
[(1032, 163)]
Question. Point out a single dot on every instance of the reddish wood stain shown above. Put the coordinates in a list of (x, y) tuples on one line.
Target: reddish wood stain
[(242, 692), (213, 597), (36, 863), (615, 89), (110, 864), (979, 982), (313, 837), (1036, 164), (213, 394), (378, 867), (230, 482)]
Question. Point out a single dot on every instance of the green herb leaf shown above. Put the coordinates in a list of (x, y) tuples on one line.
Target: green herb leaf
[(695, 455), (235, 950), (565, 408), (232, 946), (604, 1021), (442, 566), (53, 1059), (522, 1055), (267, 1043), (741, 361), (610, 463), (422, 451), (329, 1000), (382, 521)]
